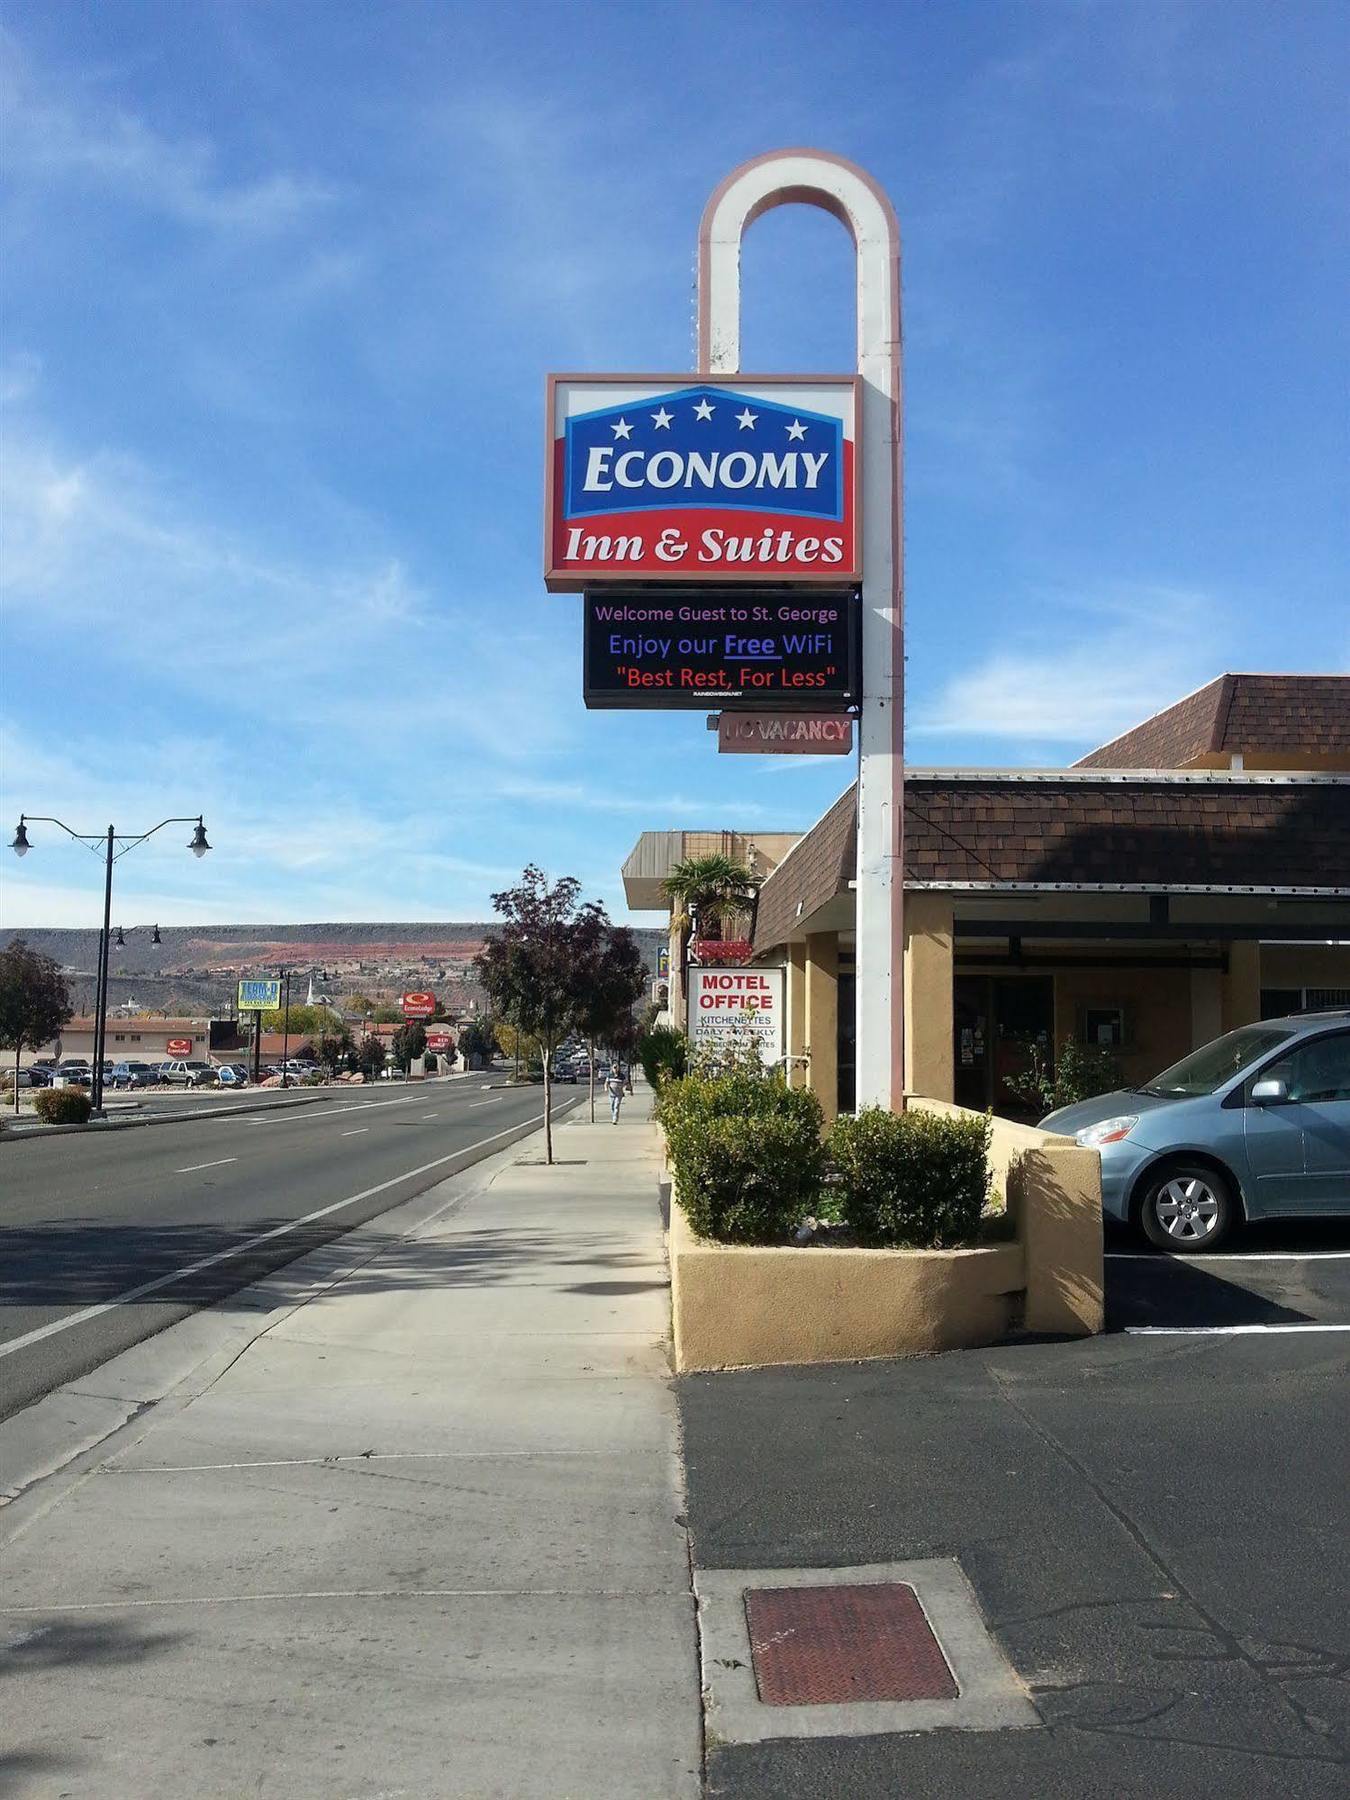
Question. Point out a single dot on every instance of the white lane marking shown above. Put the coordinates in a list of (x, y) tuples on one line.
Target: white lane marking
[(265, 1237), (1221, 1330), (490, 1101), (1238, 1256), (333, 1112), (431, 1115), (192, 1168), (355, 1131)]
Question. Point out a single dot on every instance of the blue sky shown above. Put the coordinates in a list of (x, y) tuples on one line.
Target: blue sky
[(283, 284)]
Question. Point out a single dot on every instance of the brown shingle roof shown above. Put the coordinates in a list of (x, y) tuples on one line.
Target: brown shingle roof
[(1225, 832), (1238, 714)]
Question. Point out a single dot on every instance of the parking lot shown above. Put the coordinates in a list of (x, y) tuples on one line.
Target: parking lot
[(1287, 1278)]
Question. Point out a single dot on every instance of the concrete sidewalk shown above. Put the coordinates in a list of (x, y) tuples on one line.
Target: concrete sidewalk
[(423, 1537)]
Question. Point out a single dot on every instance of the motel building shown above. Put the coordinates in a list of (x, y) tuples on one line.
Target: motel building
[(1187, 877)]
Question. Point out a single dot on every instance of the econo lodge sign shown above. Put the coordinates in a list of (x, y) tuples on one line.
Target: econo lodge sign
[(418, 1005), (736, 478)]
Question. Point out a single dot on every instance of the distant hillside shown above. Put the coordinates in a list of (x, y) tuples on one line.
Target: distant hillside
[(195, 968)]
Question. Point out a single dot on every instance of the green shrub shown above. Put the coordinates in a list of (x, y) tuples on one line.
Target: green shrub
[(913, 1178), (63, 1106), (663, 1053), (1082, 1071), (746, 1154)]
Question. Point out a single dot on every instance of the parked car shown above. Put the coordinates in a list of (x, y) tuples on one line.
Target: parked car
[(232, 1075), (187, 1074), (1255, 1125), (29, 1078), (133, 1075), (75, 1074)]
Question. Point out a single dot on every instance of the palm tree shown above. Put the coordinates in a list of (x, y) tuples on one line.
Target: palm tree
[(711, 889)]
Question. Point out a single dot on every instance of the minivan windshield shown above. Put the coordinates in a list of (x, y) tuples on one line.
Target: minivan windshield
[(1210, 1067)]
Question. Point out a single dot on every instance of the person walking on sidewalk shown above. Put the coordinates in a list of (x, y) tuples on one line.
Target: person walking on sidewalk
[(614, 1088)]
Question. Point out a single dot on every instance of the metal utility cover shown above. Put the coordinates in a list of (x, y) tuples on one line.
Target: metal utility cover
[(830, 1646)]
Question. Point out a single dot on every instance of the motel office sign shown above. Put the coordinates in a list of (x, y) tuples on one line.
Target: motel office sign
[(656, 478)]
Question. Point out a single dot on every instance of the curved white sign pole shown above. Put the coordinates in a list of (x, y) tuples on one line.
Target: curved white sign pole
[(815, 178)]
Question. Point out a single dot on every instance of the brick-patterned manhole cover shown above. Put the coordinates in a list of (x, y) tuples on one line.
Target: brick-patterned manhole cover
[(826, 1646)]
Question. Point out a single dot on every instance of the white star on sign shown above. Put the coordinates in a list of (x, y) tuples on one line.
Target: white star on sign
[(746, 419), (703, 410), (623, 429), (662, 419), (796, 429)]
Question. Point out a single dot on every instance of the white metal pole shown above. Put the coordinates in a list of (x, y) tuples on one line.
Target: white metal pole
[(815, 178)]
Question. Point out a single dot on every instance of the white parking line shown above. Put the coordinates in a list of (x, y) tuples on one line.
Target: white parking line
[(192, 1168), (265, 1237), (355, 1131), (1238, 1256), (431, 1115), (1221, 1330)]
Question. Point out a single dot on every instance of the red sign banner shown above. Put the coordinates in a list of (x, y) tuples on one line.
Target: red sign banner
[(178, 1046), (439, 1041), (418, 1006), (784, 734)]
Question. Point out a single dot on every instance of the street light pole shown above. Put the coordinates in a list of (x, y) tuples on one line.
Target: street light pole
[(101, 987), (285, 975), (105, 845)]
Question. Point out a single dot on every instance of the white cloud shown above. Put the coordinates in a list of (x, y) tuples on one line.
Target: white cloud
[(1141, 649), (75, 138)]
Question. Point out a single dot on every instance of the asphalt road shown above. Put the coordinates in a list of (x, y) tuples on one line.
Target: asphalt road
[(1154, 1522), (108, 1237)]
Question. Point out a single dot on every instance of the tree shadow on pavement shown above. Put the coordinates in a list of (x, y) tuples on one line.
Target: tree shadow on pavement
[(81, 1263)]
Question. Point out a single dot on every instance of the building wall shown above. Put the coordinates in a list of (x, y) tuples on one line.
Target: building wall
[(1157, 1007)]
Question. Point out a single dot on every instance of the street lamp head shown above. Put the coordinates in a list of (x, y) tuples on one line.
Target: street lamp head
[(21, 845), (198, 844)]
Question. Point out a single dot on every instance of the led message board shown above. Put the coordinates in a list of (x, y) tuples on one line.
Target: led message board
[(738, 478), (702, 648)]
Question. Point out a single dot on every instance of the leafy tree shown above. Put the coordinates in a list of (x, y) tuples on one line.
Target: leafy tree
[(408, 1042), (305, 1021), (371, 1056), (34, 1002), (536, 966), (713, 889), (335, 1046), (608, 988), (477, 1038), (518, 1045), (387, 1015)]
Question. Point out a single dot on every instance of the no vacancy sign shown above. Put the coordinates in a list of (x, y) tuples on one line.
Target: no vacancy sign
[(723, 1003), (716, 479)]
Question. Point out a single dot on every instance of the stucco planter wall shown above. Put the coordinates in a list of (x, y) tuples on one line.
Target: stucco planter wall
[(743, 1306)]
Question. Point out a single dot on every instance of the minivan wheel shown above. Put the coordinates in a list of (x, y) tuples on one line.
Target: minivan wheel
[(1188, 1207)]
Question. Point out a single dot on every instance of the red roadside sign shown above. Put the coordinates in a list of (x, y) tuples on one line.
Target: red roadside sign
[(440, 1039), (418, 1006), (178, 1046)]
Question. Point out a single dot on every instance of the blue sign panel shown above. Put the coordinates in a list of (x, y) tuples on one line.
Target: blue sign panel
[(705, 447)]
